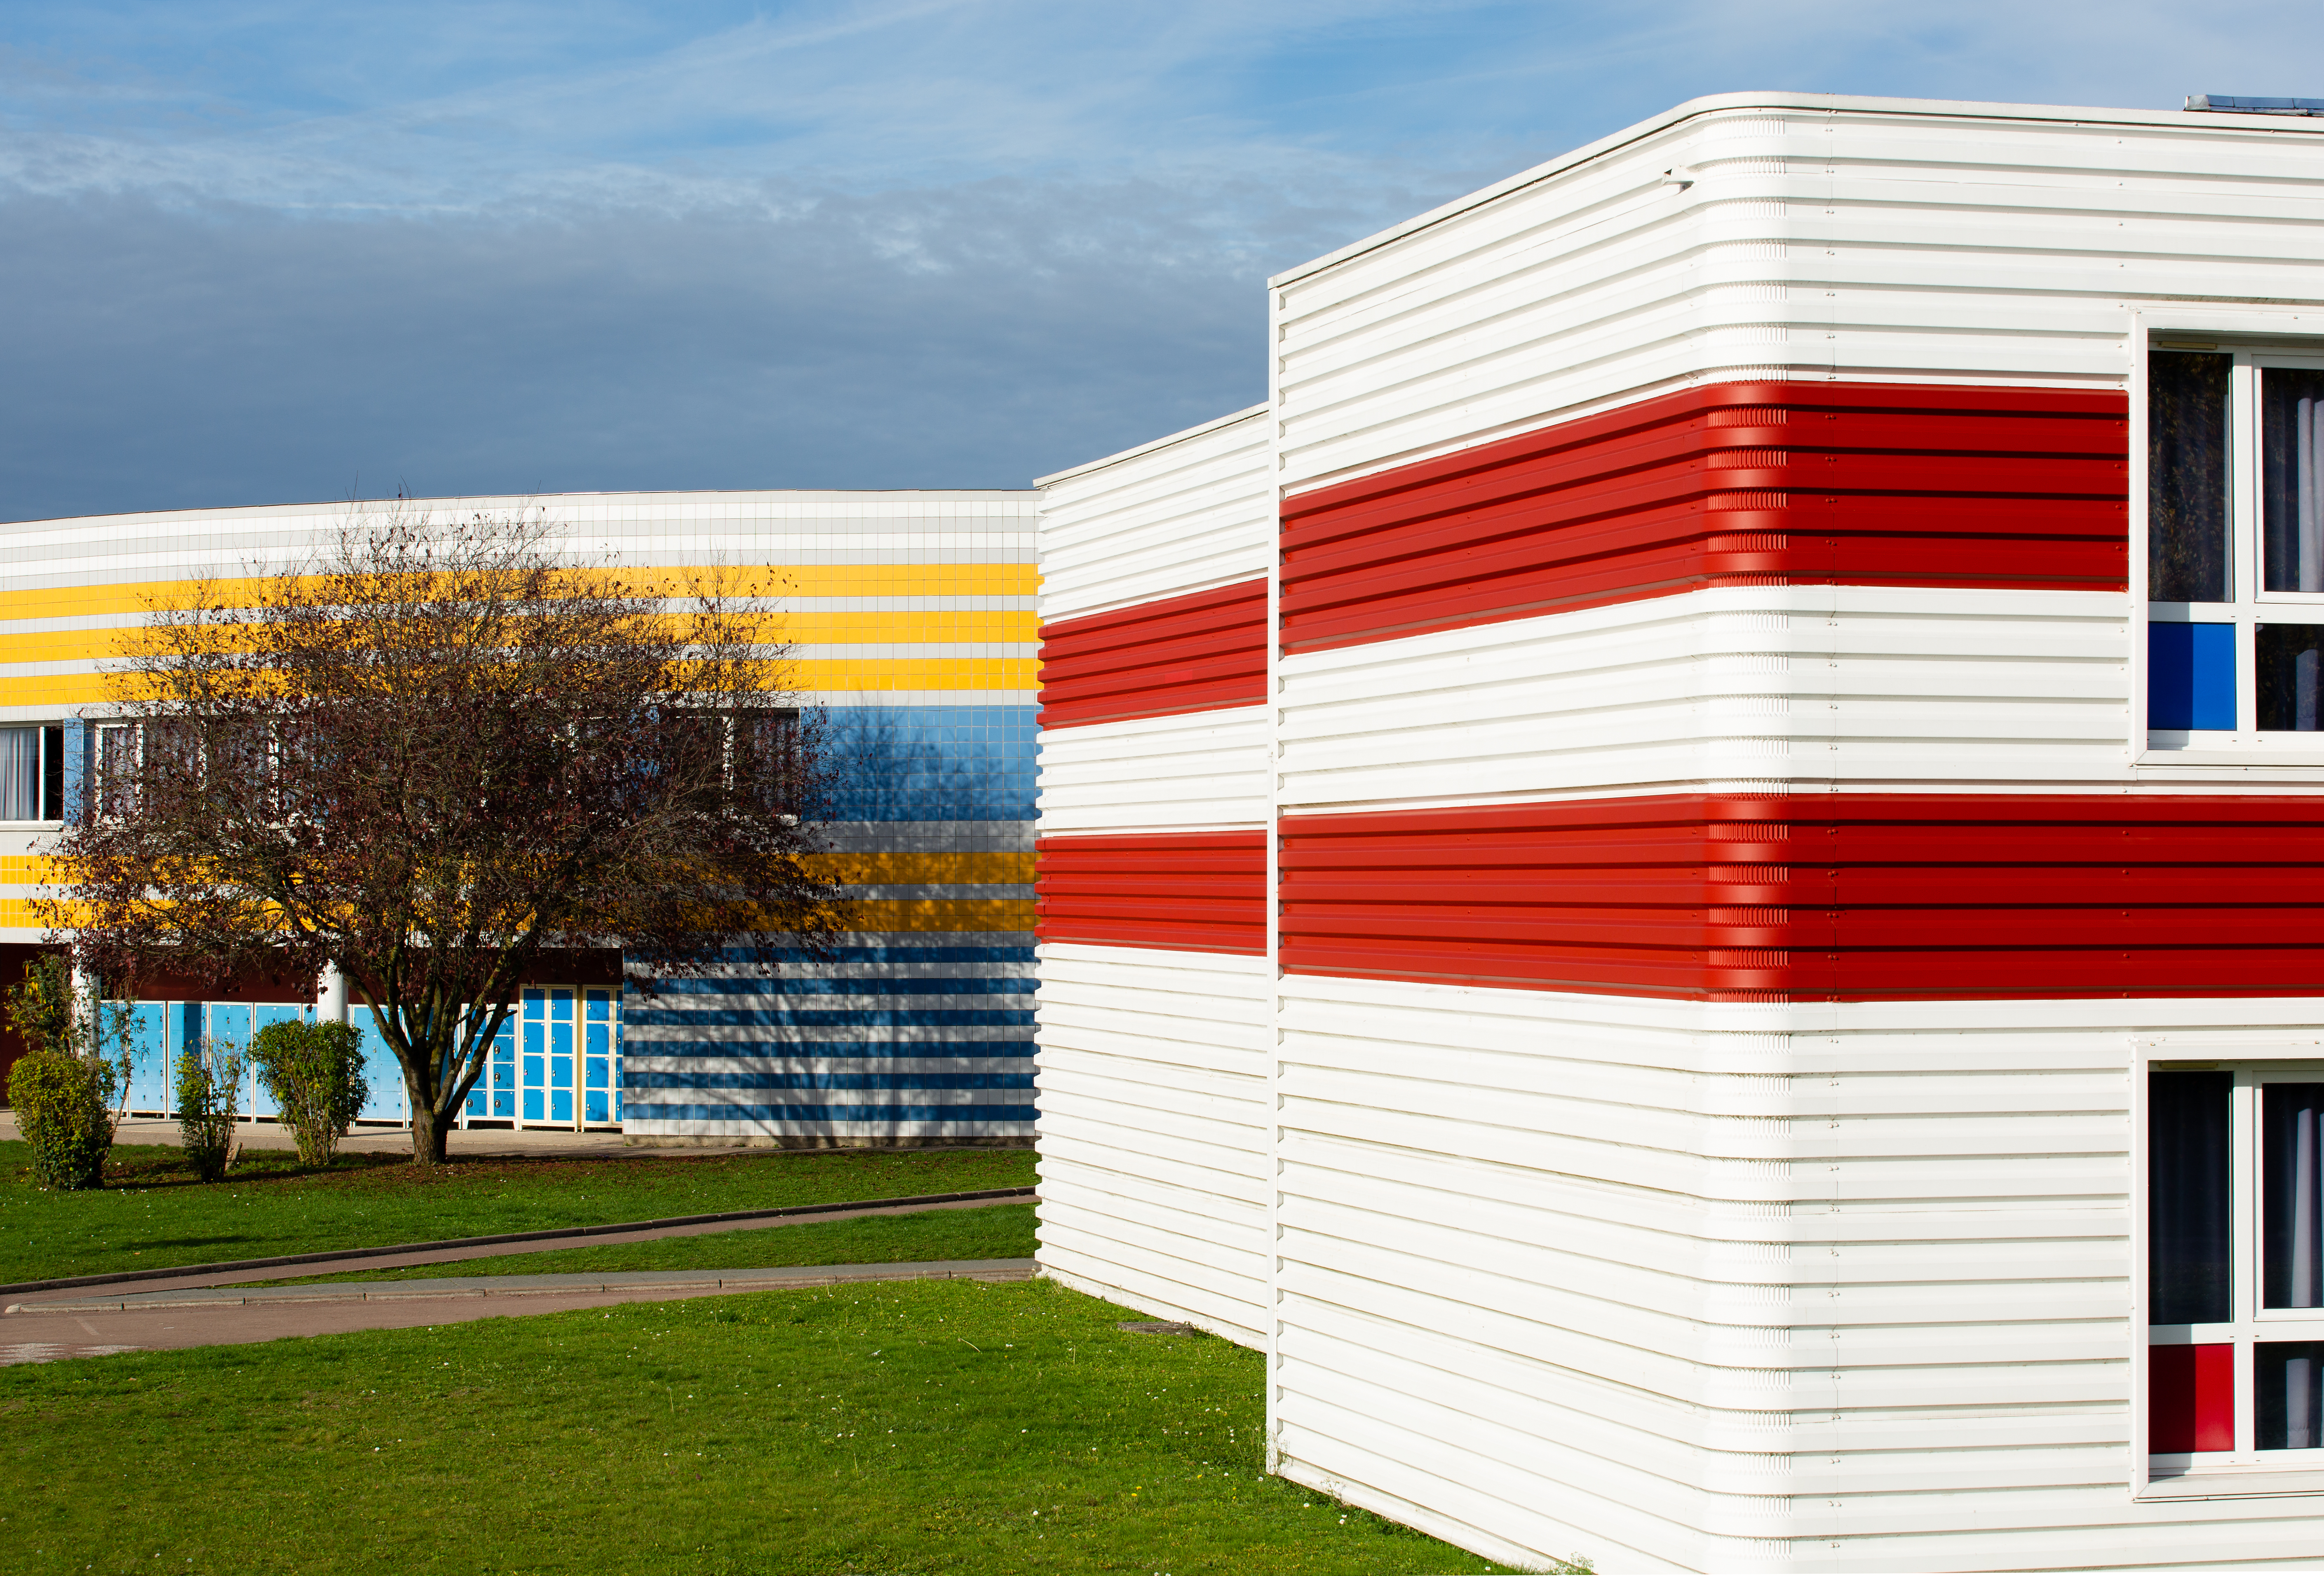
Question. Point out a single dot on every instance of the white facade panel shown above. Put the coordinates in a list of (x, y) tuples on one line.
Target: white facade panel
[(1856, 686), (1790, 236), (1186, 513), (1726, 1287), (1201, 771), (1152, 1074)]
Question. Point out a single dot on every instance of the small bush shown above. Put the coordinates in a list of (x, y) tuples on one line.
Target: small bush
[(64, 1113), (209, 1077), (315, 1072)]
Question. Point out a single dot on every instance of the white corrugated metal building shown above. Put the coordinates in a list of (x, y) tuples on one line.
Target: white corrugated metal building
[(911, 624), (1683, 877)]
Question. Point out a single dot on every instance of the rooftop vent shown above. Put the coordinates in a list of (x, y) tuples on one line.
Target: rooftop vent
[(2227, 104)]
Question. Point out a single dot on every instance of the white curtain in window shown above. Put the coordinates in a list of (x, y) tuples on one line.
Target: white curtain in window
[(19, 774), (2291, 478)]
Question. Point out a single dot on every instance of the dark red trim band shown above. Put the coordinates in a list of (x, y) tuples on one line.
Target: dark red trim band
[(1820, 897), (1731, 485), (1191, 653), (1194, 891)]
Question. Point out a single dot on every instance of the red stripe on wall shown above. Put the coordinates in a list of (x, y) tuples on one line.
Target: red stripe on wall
[(1830, 896), (1753, 484), (1181, 654), (1194, 891)]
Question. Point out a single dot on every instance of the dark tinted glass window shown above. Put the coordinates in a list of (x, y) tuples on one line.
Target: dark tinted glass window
[(2187, 1197), (2187, 477)]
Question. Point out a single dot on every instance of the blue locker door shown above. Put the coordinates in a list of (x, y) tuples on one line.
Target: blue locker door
[(533, 1055), (560, 1055), (149, 1072), (597, 1056), (503, 1073), (480, 1097)]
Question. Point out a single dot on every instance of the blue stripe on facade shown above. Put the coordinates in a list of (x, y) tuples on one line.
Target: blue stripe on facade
[(894, 985), (769, 1017), (820, 1050), (832, 1080), (884, 1115)]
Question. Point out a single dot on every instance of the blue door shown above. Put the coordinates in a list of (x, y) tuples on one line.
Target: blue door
[(600, 1024)]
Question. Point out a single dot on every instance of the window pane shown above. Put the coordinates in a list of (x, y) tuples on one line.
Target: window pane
[(2187, 1197), (2291, 1189), (19, 774), (2187, 477), (2287, 1377), (2190, 676), (2191, 1398), (52, 774), (2291, 506), (2286, 658)]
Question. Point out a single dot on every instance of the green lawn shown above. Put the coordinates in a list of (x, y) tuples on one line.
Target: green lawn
[(152, 1213), (992, 1231), (935, 1426)]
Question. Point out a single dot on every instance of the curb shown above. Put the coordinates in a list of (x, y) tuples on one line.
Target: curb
[(234, 1265), (541, 1286)]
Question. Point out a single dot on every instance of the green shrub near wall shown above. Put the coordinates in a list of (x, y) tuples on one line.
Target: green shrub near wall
[(64, 1113), (315, 1072)]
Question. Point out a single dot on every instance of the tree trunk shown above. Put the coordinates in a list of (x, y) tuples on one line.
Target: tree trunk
[(429, 1133)]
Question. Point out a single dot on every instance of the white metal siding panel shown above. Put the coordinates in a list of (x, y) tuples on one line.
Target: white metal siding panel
[(1152, 1078), (1204, 769), (1726, 1287), (1867, 688), (1818, 237), (1185, 514)]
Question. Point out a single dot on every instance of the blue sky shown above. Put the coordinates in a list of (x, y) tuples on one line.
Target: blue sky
[(264, 252)]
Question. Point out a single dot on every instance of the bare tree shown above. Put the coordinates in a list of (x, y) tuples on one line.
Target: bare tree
[(428, 758)]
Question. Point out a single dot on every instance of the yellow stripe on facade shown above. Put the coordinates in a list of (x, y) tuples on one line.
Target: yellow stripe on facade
[(64, 691), (819, 628), (900, 870), (131, 597)]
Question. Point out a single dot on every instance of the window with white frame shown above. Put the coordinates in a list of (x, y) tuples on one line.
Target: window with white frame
[(31, 773), (2234, 1269), (2235, 539)]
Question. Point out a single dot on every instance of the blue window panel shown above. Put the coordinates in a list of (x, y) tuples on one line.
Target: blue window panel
[(2190, 676), (230, 1023), (150, 1073), (384, 1074)]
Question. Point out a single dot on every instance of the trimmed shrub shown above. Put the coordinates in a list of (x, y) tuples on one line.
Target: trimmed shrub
[(209, 1077), (315, 1072), (64, 1113)]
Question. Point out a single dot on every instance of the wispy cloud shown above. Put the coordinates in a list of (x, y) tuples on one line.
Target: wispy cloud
[(257, 249)]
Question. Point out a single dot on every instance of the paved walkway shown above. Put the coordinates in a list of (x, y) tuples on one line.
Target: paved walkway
[(546, 1242), (475, 1143), (74, 1325)]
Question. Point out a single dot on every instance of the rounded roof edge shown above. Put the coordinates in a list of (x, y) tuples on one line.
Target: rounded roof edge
[(1715, 102)]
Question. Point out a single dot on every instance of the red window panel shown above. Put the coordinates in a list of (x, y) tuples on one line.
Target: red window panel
[(2191, 1398), (1816, 897), (1179, 654), (1193, 891), (1732, 484)]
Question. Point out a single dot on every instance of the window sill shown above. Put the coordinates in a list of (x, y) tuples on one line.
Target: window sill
[(2232, 1483)]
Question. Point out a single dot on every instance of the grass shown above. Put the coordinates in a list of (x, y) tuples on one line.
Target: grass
[(939, 1426), (992, 1231), (153, 1213)]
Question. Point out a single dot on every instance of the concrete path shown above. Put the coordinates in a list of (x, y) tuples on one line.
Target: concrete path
[(60, 1327), (473, 1144), (545, 1242)]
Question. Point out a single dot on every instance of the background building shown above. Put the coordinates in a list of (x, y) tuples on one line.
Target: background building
[(912, 620), (1683, 878)]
